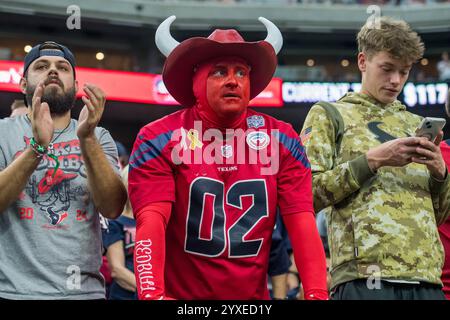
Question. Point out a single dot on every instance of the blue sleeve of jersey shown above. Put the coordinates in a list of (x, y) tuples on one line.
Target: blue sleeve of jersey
[(150, 176), (295, 148), (279, 261), (294, 176), (113, 234)]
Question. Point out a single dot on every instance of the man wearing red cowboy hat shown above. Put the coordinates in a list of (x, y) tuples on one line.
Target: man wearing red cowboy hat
[(205, 208)]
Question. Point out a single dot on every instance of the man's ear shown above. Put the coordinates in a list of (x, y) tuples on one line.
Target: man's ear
[(23, 85), (362, 59), (76, 86)]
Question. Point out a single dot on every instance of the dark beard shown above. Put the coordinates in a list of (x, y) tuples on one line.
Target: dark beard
[(59, 103)]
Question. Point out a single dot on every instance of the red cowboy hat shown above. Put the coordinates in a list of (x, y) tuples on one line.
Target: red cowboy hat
[(182, 58)]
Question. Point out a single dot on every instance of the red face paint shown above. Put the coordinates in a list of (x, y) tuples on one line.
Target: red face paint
[(222, 88), (228, 88)]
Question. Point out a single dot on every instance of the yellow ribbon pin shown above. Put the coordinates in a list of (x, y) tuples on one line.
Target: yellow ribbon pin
[(192, 135)]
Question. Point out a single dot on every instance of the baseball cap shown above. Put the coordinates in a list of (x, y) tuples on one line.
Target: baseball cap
[(37, 52)]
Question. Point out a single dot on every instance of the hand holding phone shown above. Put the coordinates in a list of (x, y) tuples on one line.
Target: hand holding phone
[(430, 127)]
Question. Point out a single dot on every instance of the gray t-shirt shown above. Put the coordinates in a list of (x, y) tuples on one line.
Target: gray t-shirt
[(50, 237)]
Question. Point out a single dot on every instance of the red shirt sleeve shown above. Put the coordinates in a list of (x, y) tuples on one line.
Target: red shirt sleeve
[(444, 229), (149, 251), (151, 177), (294, 176), (308, 253), (445, 150)]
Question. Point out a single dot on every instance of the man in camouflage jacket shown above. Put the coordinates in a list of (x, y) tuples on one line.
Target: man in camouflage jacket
[(387, 189)]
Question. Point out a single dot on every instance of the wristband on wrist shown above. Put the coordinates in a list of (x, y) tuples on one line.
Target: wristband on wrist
[(41, 150), (38, 149)]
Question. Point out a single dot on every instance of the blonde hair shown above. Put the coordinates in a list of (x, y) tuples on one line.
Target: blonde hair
[(393, 36)]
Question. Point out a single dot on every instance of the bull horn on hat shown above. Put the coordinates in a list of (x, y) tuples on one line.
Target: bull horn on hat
[(163, 39), (274, 36), (166, 43)]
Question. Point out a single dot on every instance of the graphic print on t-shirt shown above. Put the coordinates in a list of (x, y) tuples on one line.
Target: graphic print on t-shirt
[(53, 191)]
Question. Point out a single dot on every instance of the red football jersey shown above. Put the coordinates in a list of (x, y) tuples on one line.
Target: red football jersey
[(225, 191), (444, 229)]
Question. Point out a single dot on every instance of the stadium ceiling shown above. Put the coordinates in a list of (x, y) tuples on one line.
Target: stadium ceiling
[(206, 15)]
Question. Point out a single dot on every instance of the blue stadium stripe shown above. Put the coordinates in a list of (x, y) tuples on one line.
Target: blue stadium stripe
[(295, 148), (149, 150)]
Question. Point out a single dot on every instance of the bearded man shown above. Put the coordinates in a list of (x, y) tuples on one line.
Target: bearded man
[(56, 175)]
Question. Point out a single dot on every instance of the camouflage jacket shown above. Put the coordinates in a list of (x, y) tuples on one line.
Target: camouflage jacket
[(383, 225)]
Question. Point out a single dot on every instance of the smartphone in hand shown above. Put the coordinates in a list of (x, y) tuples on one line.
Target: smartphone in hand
[(430, 127)]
